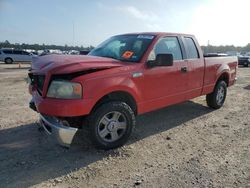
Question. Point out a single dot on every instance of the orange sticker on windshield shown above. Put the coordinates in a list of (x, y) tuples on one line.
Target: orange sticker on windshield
[(127, 54)]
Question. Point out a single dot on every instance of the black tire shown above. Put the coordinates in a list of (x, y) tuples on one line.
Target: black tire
[(246, 65), (110, 126), (96, 126), (8, 60), (217, 98)]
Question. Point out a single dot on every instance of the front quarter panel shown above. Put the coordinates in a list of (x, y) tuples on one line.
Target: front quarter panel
[(96, 87)]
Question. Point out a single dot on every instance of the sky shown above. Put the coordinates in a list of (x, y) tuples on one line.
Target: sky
[(86, 22)]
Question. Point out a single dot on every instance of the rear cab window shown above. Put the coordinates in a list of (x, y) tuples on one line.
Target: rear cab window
[(191, 49)]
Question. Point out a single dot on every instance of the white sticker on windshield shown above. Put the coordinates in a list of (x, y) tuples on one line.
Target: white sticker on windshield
[(145, 36)]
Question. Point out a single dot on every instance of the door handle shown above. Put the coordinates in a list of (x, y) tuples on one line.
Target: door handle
[(184, 69)]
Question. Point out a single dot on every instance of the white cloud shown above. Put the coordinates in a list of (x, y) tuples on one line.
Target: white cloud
[(149, 20), (138, 14), (154, 27), (222, 22)]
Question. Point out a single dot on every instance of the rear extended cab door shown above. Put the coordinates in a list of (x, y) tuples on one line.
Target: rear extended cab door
[(195, 66)]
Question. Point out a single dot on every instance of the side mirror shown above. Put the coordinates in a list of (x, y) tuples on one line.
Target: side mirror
[(161, 60)]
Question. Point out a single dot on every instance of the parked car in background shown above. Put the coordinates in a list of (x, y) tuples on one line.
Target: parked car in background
[(232, 53), (32, 52), (215, 55), (244, 60), (11, 55), (74, 52), (49, 51), (84, 52)]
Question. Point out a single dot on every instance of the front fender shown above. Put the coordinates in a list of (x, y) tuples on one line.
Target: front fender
[(95, 89)]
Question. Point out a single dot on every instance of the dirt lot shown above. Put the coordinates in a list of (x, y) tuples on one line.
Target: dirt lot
[(186, 145)]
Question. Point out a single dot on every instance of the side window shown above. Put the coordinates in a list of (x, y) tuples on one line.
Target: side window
[(191, 49), (8, 51), (168, 45), (17, 52)]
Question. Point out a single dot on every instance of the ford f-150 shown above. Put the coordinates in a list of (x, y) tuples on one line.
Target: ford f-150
[(125, 76)]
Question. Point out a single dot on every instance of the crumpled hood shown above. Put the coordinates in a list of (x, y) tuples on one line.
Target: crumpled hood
[(63, 64)]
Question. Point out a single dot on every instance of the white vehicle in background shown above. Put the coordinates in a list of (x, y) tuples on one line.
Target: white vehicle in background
[(74, 52), (49, 51), (11, 55), (232, 53)]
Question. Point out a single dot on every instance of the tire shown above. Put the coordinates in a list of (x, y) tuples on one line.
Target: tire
[(217, 98), (246, 65), (8, 60), (111, 124)]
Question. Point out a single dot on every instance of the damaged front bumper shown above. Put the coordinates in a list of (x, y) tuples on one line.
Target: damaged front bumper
[(53, 126)]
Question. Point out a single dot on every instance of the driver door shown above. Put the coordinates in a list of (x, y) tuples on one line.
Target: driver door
[(165, 85)]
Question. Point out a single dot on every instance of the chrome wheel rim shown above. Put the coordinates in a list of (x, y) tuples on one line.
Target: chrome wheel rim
[(220, 95), (112, 126)]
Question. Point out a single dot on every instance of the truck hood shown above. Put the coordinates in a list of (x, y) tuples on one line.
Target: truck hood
[(64, 64)]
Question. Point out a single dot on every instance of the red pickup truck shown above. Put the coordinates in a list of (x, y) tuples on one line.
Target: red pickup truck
[(124, 76)]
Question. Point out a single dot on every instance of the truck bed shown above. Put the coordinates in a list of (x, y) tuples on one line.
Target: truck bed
[(214, 66)]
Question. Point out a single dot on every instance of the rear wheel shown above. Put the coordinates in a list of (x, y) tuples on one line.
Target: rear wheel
[(8, 60), (217, 97), (111, 125)]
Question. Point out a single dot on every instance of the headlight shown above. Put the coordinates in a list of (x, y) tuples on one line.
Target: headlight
[(64, 90), (248, 59)]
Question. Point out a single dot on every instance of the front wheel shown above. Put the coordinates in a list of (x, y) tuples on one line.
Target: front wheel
[(111, 125), (217, 98)]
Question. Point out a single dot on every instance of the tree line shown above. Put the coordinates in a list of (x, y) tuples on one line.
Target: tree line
[(224, 49), (7, 44), (206, 49)]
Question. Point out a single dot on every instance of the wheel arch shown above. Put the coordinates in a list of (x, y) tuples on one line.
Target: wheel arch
[(224, 76), (118, 95)]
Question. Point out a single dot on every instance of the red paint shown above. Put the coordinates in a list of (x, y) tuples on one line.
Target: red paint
[(156, 88)]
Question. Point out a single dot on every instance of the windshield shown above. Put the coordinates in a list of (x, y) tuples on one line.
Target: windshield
[(124, 47)]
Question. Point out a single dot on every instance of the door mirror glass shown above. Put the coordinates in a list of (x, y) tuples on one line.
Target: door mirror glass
[(161, 60)]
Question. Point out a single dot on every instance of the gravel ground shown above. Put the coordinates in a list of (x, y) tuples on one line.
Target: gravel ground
[(186, 145)]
